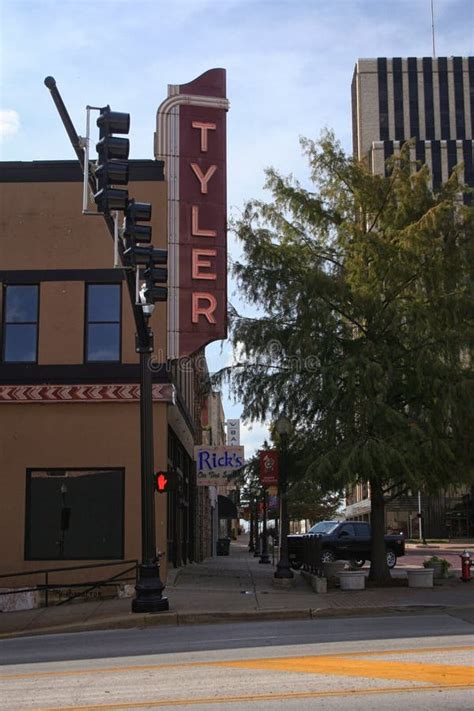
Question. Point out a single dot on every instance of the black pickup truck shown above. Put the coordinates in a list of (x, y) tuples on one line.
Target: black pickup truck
[(345, 540)]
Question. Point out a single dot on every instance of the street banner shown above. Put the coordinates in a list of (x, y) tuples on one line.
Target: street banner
[(218, 459), (233, 432), (268, 467)]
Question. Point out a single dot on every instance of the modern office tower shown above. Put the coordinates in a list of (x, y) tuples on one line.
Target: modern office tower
[(428, 100)]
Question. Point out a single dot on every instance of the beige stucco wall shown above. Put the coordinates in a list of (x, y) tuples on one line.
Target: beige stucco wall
[(42, 226), (66, 436), (61, 322)]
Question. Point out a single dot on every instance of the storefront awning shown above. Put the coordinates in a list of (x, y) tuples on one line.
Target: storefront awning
[(226, 507)]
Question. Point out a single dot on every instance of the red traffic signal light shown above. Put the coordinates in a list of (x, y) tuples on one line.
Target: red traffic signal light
[(161, 481), (166, 481)]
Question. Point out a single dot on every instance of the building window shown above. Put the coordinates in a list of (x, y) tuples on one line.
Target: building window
[(103, 327), (74, 514), (20, 340), (429, 100), (383, 98), (413, 97), (459, 97), (398, 98)]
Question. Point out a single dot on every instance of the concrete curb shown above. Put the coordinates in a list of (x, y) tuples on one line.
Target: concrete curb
[(143, 621)]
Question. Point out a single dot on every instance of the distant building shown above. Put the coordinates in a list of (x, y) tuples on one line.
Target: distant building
[(428, 100), (431, 102)]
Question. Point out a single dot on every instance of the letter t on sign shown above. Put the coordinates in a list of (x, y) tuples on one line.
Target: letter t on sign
[(204, 127)]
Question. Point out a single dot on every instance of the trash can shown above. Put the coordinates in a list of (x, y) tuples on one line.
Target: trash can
[(223, 546)]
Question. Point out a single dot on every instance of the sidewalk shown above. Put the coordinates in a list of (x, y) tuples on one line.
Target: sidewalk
[(238, 587)]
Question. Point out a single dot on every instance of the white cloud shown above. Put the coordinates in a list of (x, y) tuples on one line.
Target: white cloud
[(9, 123), (252, 436)]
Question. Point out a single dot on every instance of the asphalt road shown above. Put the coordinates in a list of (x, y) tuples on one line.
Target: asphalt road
[(420, 661)]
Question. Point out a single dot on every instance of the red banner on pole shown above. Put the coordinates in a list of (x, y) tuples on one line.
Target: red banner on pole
[(268, 469)]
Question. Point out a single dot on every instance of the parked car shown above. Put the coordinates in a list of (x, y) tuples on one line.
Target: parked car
[(345, 540)]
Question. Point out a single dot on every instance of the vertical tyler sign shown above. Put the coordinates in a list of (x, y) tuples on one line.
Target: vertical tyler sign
[(233, 432), (191, 139)]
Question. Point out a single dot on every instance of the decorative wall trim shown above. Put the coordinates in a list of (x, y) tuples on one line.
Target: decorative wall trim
[(18, 394)]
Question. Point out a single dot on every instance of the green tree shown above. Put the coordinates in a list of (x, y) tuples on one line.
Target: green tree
[(309, 501), (364, 328)]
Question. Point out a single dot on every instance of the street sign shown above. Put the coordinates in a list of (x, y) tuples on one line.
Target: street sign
[(218, 459), (233, 432), (268, 467)]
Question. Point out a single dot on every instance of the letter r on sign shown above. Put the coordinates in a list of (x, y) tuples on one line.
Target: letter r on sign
[(204, 309)]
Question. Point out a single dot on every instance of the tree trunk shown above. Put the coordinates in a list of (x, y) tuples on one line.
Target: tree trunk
[(379, 570)]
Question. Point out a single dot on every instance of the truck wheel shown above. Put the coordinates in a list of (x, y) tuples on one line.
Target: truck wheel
[(391, 559), (328, 556), (357, 563)]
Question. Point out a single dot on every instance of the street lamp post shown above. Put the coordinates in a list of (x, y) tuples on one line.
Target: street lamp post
[(252, 528), (264, 558), (256, 553), (149, 587), (283, 428)]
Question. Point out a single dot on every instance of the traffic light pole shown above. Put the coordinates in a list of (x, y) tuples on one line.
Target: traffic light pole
[(149, 587), (140, 320)]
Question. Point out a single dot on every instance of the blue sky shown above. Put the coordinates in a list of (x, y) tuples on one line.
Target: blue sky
[(289, 67)]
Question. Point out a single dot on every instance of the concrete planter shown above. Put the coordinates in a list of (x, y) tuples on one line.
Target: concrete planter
[(420, 578), (352, 580), (332, 570), (319, 585), (14, 601)]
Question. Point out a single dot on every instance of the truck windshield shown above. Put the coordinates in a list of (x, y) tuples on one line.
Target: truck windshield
[(324, 527)]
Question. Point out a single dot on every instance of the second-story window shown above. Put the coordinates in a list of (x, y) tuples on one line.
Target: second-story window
[(103, 322), (20, 332)]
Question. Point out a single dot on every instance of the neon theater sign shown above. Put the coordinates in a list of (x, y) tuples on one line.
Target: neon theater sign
[(191, 139)]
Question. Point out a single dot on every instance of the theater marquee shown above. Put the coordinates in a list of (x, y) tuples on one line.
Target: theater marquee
[(191, 139)]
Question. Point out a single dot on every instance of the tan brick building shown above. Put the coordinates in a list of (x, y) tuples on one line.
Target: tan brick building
[(70, 489)]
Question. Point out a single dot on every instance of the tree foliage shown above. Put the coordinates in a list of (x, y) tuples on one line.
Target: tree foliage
[(362, 288)]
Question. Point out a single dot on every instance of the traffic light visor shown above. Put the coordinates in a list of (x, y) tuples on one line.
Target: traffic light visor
[(113, 122)]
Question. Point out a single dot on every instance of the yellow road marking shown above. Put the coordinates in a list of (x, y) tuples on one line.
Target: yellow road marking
[(443, 674), (252, 697), (184, 665)]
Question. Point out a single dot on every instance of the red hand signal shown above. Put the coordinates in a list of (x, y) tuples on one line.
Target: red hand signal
[(161, 482)]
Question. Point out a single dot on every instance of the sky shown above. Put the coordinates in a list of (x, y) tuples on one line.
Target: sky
[(289, 69)]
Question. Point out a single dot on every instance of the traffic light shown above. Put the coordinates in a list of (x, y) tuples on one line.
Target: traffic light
[(155, 276), (112, 163), (136, 212), (166, 481)]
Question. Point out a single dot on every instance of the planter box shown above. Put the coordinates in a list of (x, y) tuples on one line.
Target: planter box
[(352, 580), (420, 578), (318, 584), (13, 601), (332, 570), (438, 570)]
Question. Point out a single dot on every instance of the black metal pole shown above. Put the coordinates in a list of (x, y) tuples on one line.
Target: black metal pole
[(264, 558), (149, 587), (283, 566), (256, 553), (252, 528)]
